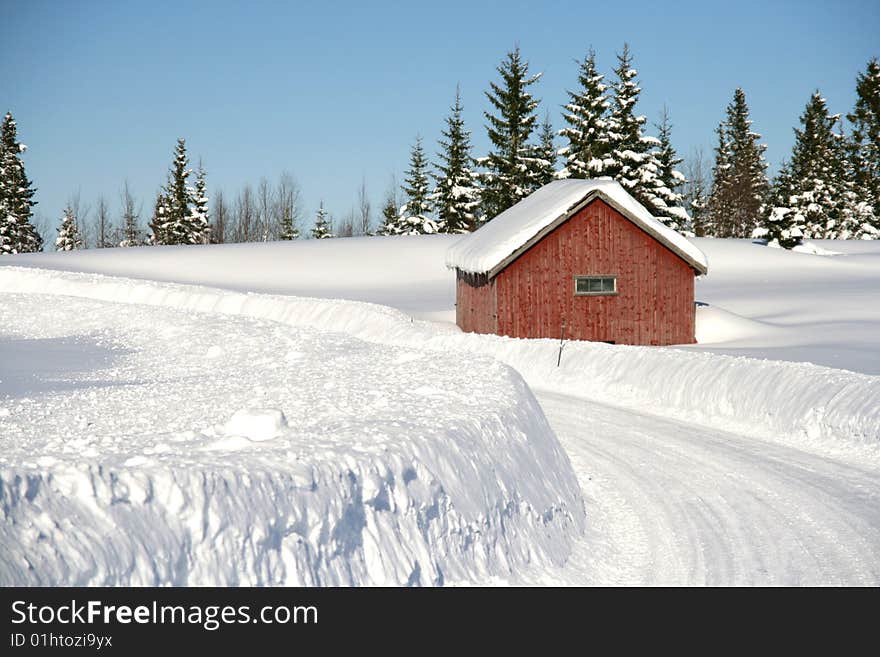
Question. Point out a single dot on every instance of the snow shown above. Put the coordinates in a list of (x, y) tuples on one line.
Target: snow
[(485, 249), (687, 456), (820, 309), (156, 465), (406, 272), (816, 407)]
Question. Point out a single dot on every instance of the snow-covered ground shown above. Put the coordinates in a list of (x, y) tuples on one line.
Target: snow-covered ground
[(697, 467), (763, 302), (151, 446), (771, 303)]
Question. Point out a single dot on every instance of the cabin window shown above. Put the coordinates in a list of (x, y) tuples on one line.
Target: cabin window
[(593, 285)]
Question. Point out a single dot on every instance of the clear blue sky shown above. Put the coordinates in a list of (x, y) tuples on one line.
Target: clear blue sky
[(334, 92)]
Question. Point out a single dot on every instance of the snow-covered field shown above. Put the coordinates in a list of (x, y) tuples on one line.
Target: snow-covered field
[(764, 303), (104, 370)]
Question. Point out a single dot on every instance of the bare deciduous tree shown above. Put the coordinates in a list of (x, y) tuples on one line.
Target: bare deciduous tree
[(696, 189), (221, 219), (265, 209), (346, 225), (287, 210), (81, 211), (244, 227), (103, 227), (364, 216)]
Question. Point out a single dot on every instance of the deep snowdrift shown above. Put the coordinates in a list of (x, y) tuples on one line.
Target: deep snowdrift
[(793, 402), (146, 445)]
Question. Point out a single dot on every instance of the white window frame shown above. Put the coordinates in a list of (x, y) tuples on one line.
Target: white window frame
[(595, 277)]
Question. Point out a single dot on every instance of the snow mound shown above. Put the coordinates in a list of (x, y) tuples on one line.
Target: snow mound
[(130, 471), (257, 423), (718, 325), (814, 249)]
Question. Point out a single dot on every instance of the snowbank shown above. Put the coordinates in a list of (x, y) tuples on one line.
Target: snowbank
[(292, 456), (807, 403)]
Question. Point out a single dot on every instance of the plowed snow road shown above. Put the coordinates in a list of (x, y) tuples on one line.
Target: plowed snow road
[(675, 504)]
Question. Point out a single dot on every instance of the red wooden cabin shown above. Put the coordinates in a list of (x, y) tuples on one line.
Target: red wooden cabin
[(580, 260)]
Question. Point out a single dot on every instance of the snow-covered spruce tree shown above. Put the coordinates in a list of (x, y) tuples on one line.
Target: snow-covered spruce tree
[(159, 221), (179, 222), (68, 233), (390, 211), (740, 186), (587, 129), (322, 229), (811, 187), (510, 166), (857, 217), (288, 229), (413, 217), (201, 222), (864, 143), (666, 198), (631, 154), (456, 195), (17, 233), (545, 155), (782, 226), (696, 205)]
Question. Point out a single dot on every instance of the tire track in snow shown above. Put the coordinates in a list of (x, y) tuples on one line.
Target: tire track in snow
[(675, 504)]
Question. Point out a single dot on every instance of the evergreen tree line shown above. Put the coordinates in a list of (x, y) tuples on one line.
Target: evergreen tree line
[(603, 135), (828, 188)]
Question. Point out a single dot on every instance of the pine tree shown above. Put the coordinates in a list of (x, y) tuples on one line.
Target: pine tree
[(201, 222), (809, 194), (545, 155), (413, 218), (456, 194), (510, 165), (160, 220), (288, 227), (783, 226), (864, 146), (177, 219), (17, 233), (739, 188), (631, 156), (667, 202), (390, 212), (68, 233), (587, 129), (323, 229)]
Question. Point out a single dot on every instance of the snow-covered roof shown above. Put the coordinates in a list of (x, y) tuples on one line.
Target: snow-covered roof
[(496, 244)]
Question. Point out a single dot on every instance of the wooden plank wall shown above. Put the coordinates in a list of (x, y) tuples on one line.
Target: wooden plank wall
[(475, 306), (534, 296)]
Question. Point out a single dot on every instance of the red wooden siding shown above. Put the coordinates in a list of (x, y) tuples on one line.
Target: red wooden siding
[(475, 306), (534, 296)]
